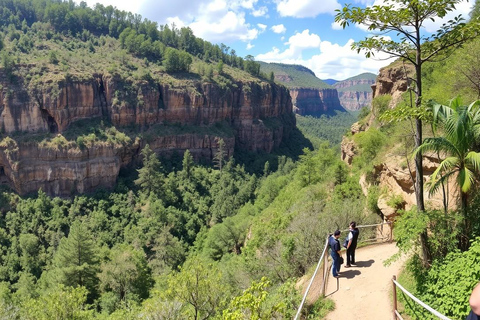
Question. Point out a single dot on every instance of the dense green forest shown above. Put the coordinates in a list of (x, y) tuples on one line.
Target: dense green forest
[(180, 240), (175, 239)]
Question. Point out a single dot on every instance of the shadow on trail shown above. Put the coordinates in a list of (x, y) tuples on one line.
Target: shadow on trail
[(349, 274), (364, 264), (338, 286)]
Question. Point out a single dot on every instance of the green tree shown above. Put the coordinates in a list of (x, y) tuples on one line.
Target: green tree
[(406, 19), (461, 133), (198, 287), (59, 303), (75, 262), (126, 274), (150, 177)]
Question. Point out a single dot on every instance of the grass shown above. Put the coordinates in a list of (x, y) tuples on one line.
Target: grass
[(300, 76)]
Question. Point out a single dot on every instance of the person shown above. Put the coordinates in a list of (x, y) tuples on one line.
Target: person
[(352, 243), (475, 304), (335, 252)]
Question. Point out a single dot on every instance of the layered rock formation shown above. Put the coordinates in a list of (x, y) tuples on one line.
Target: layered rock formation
[(392, 80), (308, 101), (258, 114), (356, 93)]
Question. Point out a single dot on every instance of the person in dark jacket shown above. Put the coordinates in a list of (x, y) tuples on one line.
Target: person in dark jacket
[(335, 252), (352, 243)]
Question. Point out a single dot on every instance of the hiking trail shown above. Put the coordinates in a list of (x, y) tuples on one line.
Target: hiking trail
[(364, 291)]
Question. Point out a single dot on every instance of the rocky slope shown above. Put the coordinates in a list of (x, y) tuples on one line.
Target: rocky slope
[(356, 92), (173, 118), (395, 175), (308, 101), (310, 95)]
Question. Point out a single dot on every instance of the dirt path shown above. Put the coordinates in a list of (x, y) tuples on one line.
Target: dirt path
[(364, 291)]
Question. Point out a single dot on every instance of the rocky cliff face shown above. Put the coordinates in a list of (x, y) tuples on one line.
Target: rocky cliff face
[(392, 80), (395, 175), (258, 113), (308, 101), (355, 94)]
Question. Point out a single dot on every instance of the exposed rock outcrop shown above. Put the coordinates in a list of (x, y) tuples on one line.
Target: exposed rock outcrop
[(308, 101), (356, 93), (259, 115), (392, 80)]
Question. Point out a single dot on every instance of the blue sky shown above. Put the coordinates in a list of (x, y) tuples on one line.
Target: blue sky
[(288, 31)]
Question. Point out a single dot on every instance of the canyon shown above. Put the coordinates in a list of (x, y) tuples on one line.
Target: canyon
[(251, 116)]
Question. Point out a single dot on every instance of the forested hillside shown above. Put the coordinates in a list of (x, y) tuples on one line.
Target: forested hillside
[(444, 233), (174, 239)]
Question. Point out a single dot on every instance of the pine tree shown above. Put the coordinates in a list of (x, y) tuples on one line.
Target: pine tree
[(150, 177), (75, 261)]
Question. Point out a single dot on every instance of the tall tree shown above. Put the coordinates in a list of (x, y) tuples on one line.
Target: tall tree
[(75, 261), (150, 177), (219, 157), (406, 18), (461, 133)]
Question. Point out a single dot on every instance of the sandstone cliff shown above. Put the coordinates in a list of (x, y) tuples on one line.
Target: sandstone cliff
[(308, 101), (356, 93), (392, 80), (395, 173), (258, 114)]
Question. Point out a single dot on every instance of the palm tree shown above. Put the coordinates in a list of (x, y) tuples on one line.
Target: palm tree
[(461, 134)]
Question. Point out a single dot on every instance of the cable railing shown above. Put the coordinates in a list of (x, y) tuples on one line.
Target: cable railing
[(378, 234), (397, 315)]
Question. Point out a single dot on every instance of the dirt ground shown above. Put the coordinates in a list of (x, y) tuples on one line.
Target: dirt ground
[(364, 291)]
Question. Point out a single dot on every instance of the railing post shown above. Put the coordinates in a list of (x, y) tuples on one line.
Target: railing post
[(394, 298)]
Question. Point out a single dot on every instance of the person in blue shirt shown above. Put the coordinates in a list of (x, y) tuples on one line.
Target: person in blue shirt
[(474, 304), (335, 252)]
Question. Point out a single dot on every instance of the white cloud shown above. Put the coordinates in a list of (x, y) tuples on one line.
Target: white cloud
[(306, 8), (336, 26), (250, 46), (304, 40), (260, 12), (463, 8), (212, 20), (279, 28), (331, 61), (262, 27)]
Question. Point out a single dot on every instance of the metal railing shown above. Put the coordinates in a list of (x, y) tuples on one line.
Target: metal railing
[(378, 234), (396, 314)]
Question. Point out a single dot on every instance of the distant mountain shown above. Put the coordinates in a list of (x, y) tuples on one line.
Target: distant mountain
[(330, 81), (310, 95), (356, 92), (293, 76)]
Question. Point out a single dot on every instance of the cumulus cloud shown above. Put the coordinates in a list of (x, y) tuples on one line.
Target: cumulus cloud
[(463, 8), (213, 20), (260, 12), (330, 61), (262, 27), (305, 8), (279, 28), (250, 46)]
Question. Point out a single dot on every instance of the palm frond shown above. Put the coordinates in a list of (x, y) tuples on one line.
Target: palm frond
[(466, 179), (446, 166), (437, 144), (472, 160), (434, 185)]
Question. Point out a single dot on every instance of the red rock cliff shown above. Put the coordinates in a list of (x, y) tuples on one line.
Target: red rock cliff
[(309, 101), (259, 114)]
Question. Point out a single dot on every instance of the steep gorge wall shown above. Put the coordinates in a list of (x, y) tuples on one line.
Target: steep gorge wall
[(353, 99), (395, 174), (259, 114), (309, 101)]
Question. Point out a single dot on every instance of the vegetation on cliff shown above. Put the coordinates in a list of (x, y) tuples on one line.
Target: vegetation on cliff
[(452, 233)]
